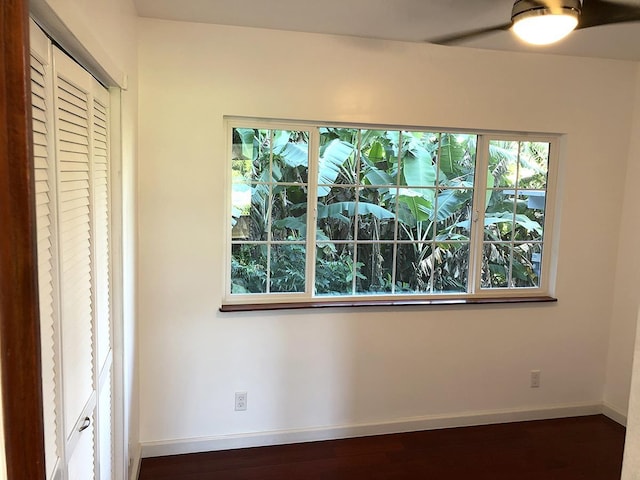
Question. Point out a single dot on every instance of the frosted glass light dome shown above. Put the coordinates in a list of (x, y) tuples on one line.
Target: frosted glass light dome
[(542, 25)]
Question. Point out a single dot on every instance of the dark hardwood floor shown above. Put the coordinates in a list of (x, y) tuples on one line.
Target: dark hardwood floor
[(581, 448)]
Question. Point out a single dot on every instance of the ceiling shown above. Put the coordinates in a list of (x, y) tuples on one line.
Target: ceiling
[(406, 20)]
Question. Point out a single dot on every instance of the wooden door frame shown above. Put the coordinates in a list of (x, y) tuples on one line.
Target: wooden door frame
[(19, 314)]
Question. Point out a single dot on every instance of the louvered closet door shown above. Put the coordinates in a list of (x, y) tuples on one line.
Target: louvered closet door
[(73, 112), (73, 125), (42, 112), (82, 157), (72, 172)]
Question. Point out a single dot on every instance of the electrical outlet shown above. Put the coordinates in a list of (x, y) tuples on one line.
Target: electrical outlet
[(535, 378), (241, 401)]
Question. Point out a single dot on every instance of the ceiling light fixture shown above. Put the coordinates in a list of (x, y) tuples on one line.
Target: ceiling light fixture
[(542, 23)]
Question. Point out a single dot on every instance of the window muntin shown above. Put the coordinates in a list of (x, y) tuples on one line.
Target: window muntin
[(394, 213)]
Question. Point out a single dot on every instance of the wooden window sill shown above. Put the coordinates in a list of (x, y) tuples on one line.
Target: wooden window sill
[(253, 307)]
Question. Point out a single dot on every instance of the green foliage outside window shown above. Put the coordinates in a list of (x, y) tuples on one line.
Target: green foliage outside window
[(394, 212)]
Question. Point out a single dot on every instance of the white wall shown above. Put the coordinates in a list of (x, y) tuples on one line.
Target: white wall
[(305, 369), (631, 462), (107, 31), (624, 326), (627, 282)]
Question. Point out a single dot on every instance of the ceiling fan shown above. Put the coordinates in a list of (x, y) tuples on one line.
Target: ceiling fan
[(542, 22)]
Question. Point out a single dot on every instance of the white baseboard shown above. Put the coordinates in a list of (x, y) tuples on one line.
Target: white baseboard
[(431, 422), (614, 414), (135, 460)]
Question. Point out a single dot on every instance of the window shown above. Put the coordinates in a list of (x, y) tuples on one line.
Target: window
[(320, 212)]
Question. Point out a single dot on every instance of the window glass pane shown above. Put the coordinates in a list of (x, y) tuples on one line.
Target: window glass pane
[(410, 229), (418, 157), (416, 213), (413, 267), (337, 162), (249, 212), (336, 213), (453, 212), (526, 265), (334, 269), (529, 218), (250, 154), (379, 157), (290, 156), (376, 219), (246, 229), (240, 210), (288, 268), (420, 232), (242, 171), (248, 268), (499, 216), (329, 134), (289, 213), (457, 159), (419, 201), (451, 267), (534, 165), (503, 164), (375, 268), (496, 265)]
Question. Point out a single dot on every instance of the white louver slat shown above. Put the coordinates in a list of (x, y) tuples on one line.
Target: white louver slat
[(101, 222)]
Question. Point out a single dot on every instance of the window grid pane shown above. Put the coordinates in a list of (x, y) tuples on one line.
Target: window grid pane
[(269, 203), (393, 212), (515, 214)]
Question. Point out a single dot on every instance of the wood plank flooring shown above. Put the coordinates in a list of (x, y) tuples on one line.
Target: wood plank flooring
[(580, 448)]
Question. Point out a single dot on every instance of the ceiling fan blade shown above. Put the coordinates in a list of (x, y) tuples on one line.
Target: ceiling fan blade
[(469, 34), (604, 12)]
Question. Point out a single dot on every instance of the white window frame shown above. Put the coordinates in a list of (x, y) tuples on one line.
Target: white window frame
[(475, 292)]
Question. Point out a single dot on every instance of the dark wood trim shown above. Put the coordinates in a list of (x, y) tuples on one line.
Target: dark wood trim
[(19, 318), (251, 307)]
